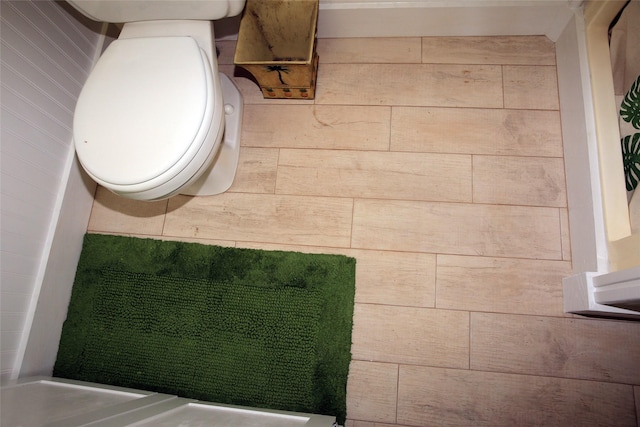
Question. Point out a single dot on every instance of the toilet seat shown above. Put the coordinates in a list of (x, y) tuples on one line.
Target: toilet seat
[(146, 108)]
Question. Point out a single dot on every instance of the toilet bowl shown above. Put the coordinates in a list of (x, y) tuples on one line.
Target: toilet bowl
[(155, 117)]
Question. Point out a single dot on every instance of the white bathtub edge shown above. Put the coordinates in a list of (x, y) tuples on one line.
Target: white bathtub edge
[(589, 249), (580, 295)]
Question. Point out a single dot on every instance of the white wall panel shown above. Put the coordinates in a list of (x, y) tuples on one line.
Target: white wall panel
[(25, 105), (31, 135), (38, 179), (23, 21), (16, 82), (46, 56), (25, 70), (12, 301)]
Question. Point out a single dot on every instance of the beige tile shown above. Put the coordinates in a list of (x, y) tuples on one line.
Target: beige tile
[(370, 50), (316, 126), (501, 284), (531, 50), (457, 228), (509, 180), (599, 350), (566, 239), (371, 391), (395, 278), (300, 220), (435, 397), (408, 176), (115, 214), (530, 87), (476, 131), (256, 172), (411, 335), (410, 84), (379, 100)]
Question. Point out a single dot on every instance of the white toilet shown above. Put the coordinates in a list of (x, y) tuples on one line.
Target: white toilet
[(155, 117)]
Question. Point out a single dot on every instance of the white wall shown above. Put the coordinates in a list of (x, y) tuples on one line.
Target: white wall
[(588, 237), (46, 56), (361, 18)]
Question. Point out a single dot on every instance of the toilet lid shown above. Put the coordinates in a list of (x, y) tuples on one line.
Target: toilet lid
[(141, 108)]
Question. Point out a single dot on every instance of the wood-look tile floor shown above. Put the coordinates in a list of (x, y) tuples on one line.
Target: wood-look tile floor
[(436, 163)]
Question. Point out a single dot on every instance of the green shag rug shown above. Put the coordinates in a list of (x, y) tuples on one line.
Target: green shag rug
[(249, 327)]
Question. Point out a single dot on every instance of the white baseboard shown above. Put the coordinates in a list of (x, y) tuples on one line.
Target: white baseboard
[(50, 298), (442, 18), (416, 18), (41, 346)]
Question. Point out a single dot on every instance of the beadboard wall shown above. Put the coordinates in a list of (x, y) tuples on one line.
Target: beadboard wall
[(46, 56)]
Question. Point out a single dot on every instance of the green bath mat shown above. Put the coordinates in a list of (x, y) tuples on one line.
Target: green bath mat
[(249, 327)]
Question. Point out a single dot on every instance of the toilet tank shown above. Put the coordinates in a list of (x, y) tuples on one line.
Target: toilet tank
[(152, 10)]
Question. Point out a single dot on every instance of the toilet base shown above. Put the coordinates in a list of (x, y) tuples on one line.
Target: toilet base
[(220, 174)]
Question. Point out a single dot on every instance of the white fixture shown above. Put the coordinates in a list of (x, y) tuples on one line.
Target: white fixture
[(56, 402), (155, 117)]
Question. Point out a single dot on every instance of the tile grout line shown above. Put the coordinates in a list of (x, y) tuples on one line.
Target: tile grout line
[(435, 279), (473, 198), (503, 86), (397, 391), (499, 372), (275, 181), (353, 211), (391, 109), (164, 217), (469, 361)]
